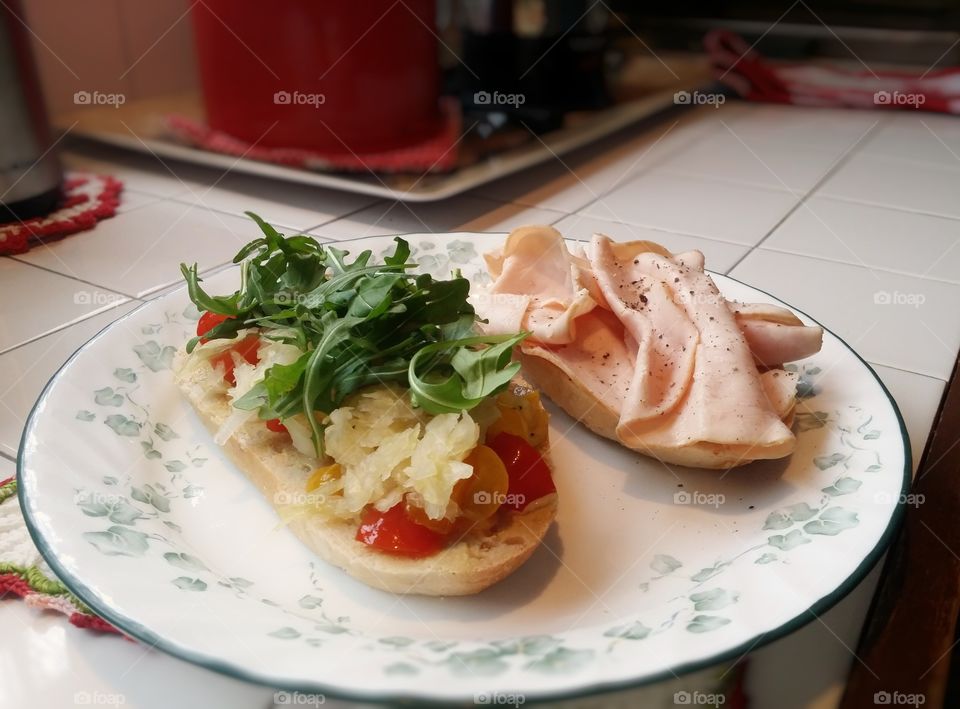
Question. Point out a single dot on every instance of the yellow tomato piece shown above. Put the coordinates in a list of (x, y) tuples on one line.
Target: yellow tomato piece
[(321, 475), (418, 515), (480, 495), (537, 418), (522, 415), (511, 421)]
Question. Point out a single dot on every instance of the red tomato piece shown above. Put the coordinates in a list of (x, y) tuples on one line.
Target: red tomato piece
[(208, 321), (394, 532), (529, 474), (246, 348), (275, 426)]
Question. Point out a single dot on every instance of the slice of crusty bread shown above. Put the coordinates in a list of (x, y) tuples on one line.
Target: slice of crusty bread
[(600, 417), (280, 472)]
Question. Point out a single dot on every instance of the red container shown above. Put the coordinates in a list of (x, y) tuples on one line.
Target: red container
[(336, 76)]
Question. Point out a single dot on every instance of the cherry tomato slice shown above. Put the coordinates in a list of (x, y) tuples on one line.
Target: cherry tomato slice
[(208, 321), (395, 533), (275, 426), (480, 495), (417, 515), (530, 477), (246, 348)]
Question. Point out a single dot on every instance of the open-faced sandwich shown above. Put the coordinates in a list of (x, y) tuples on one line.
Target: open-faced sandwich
[(639, 345), (391, 437)]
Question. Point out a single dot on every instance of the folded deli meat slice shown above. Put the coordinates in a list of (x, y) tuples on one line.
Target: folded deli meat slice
[(639, 345), (537, 286)]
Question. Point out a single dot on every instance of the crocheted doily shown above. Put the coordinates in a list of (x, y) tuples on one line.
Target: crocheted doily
[(87, 199), (24, 572)]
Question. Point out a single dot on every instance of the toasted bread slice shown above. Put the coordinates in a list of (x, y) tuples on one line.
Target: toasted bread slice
[(280, 472), (599, 416)]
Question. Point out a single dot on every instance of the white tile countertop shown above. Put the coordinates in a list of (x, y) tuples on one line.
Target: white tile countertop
[(850, 216)]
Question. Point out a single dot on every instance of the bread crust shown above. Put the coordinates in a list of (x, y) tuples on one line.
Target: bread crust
[(597, 415), (470, 565)]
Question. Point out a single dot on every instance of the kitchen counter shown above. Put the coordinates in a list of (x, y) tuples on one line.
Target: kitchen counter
[(851, 216)]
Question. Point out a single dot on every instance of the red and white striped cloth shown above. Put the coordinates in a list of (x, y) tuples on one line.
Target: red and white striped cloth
[(755, 78)]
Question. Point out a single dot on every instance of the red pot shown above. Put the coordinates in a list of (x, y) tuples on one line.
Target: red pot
[(333, 76)]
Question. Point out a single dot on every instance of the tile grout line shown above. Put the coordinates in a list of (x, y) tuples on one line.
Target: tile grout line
[(375, 202), (506, 203), (906, 371), (60, 328), (276, 223), (891, 207), (864, 140), (715, 179), (621, 182), (661, 230), (201, 208), (653, 164), (881, 269), (76, 279)]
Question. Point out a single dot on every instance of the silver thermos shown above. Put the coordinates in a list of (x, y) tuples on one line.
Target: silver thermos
[(30, 173)]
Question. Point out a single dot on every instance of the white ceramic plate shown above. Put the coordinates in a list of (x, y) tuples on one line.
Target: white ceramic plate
[(648, 571)]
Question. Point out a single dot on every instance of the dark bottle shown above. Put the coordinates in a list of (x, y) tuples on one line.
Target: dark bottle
[(30, 173)]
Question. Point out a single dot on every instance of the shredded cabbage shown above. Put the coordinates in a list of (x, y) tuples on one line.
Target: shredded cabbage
[(387, 449)]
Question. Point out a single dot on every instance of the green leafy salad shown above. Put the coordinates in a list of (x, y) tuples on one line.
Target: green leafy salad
[(356, 323)]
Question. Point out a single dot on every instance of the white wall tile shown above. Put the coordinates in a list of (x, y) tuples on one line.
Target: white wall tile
[(34, 301), (141, 173), (917, 330), (920, 187), (27, 369), (835, 130), (741, 214), (864, 234), (922, 138), (918, 398), (720, 256), (727, 156), (456, 214), (299, 207), (569, 182), (81, 663), (141, 251)]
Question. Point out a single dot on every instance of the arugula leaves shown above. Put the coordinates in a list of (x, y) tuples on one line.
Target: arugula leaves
[(357, 324)]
